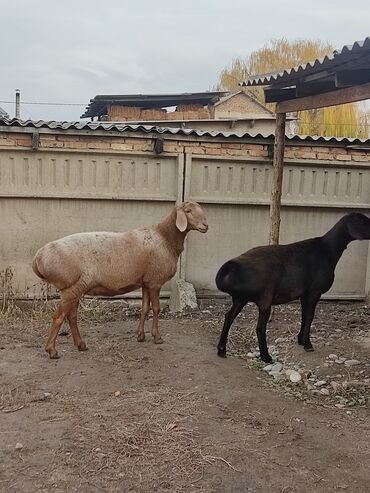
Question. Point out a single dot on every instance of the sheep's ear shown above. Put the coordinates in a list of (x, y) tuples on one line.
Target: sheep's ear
[(181, 220)]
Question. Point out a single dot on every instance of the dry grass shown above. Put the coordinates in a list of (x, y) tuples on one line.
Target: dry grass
[(157, 449), (14, 398)]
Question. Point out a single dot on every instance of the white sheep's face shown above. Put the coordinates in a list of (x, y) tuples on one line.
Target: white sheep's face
[(190, 216)]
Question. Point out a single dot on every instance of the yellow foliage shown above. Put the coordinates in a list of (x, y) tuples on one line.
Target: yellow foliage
[(348, 120)]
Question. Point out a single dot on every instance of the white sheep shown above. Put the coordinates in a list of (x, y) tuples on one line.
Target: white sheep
[(110, 264)]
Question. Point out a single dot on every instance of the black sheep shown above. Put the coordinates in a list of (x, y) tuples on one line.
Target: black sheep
[(277, 274)]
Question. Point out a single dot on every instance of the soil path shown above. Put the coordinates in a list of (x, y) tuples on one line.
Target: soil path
[(133, 417)]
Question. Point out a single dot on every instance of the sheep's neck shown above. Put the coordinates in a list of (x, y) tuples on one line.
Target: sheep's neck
[(173, 236), (336, 241)]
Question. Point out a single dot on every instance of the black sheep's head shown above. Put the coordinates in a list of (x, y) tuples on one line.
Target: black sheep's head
[(358, 226)]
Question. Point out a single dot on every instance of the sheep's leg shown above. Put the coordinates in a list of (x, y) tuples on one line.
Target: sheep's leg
[(144, 313), (263, 316), (230, 316), (308, 312), (303, 317), (154, 299), (72, 320), (60, 313)]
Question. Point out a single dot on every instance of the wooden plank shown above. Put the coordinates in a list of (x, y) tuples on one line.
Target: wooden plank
[(275, 94), (332, 98), (351, 77), (277, 178)]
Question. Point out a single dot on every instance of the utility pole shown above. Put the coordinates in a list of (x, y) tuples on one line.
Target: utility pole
[(17, 103)]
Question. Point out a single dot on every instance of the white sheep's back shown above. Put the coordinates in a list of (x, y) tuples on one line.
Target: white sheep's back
[(113, 261)]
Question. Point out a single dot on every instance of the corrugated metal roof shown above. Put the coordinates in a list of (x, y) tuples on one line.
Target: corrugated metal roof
[(99, 104), (15, 123), (337, 58)]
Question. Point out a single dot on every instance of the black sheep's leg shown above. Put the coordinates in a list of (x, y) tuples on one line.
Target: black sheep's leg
[(230, 316), (303, 317), (310, 303), (263, 316)]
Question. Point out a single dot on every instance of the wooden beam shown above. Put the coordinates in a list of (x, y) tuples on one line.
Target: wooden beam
[(277, 178), (303, 89), (351, 77), (332, 98), (275, 94), (312, 88)]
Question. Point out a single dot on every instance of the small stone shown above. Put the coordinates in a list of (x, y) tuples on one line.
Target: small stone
[(276, 375), (267, 368), (306, 374), (324, 391), (18, 446), (335, 385), (295, 377), (250, 355), (333, 356), (340, 361), (98, 449), (352, 362), (117, 393), (47, 395), (339, 406), (277, 367), (320, 383)]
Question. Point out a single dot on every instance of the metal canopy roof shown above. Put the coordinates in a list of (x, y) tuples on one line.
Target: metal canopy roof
[(98, 105), (335, 74), (114, 128)]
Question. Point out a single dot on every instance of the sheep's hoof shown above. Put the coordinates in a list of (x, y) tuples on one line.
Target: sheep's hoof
[(53, 353), (158, 340), (309, 349), (82, 346), (141, 337), (266, 359), (221, 353)]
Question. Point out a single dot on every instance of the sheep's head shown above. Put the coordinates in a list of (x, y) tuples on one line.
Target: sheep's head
[(190, 216), (358, 226)]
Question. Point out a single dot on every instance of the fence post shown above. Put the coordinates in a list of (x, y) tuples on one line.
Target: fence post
[(277, 178), (183, 293)]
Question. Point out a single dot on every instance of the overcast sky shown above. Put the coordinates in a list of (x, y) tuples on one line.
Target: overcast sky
[(69, 51)]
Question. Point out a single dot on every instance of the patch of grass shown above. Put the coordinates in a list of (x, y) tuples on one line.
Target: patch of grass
[(257, 364)]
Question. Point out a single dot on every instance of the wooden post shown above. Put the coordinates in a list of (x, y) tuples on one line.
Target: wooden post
[(277, 178)]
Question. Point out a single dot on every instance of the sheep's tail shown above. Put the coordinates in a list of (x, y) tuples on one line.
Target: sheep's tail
[(227, 276), (36, 268)]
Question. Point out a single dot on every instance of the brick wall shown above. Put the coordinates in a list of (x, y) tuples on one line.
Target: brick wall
[(172, 144), (131, 113), (239, 105)]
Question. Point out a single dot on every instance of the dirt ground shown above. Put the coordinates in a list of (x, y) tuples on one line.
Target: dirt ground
[(138, 417)]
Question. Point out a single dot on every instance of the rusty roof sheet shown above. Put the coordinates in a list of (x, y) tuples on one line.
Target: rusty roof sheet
[(111, 127), (337, 58)]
